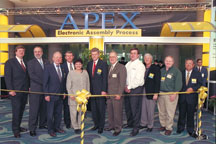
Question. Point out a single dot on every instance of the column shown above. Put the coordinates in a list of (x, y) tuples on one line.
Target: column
[(172, 50)]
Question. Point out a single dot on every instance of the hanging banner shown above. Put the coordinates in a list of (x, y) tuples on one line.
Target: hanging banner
[(99, 32)]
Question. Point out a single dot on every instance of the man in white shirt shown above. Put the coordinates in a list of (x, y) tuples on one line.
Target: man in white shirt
[(134, 85), (37, 103), (68, 66), (203, 71), (16, 78)]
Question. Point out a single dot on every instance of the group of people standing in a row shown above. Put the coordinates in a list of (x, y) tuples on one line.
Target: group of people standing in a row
[(142, 85)]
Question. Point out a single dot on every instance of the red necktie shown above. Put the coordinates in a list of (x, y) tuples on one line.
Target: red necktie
[(22, 65), (93, 70)]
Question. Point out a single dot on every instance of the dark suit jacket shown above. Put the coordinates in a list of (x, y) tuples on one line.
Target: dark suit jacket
[(204, 75), (15, 77), (195, 82), (98, 82), (51, 82), (35, 72), (152, 81), (117, 79)]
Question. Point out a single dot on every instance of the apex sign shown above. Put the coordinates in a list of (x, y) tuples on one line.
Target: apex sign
[(70, 21)]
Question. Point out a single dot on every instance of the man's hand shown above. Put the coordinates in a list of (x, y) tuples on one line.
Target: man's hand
[(103, 93), (47, 98), (127, 90), (12, 93), (72, 97), (155, 96), (117, 97), (64, 96), (172, 97), (189, 90)]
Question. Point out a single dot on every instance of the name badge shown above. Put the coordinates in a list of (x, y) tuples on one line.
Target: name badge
[(162, 78), (114, 75), (99, 71), (151, 75), (202, 74), (169, 76), (194, 81)]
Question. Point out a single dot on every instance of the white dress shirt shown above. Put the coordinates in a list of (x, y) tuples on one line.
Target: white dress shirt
[(68, 65), (57, 69), (135, 74), (19, 60)]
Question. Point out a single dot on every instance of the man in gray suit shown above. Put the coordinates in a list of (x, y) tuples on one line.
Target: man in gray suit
[(37, 102), (116, 84)]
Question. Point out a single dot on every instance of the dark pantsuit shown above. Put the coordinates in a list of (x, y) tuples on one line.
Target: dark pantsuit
[(115, 112), (67, 120), (37, 111), (18, 106), (186, 114), (98, 107), (54, 109), (133, 105)]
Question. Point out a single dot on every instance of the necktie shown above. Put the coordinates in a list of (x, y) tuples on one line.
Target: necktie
[(41, 63), (187, 78), (199, 69), (71, 68), (22, 65), (111, 69), (59, 72), (93, 70)]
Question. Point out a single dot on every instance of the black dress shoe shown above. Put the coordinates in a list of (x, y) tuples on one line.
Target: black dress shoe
[(43, 127), (100, 130), (23, 129), (94, 128), (52, 134), (126, 126), (60, 131), (142, 127), (108, 129), (17, 135), (116, 133), (32, 133), (68, 127), (149, 129), (193, 134), (179, 131), (77, 131), (134, 132)]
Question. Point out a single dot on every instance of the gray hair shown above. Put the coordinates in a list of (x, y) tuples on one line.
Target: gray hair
[(148, 54)]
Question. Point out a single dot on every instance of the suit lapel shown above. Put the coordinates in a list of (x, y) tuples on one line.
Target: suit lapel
[(55, 72), (19, 65)]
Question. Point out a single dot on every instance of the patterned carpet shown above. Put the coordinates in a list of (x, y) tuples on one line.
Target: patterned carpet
[(92, 137)]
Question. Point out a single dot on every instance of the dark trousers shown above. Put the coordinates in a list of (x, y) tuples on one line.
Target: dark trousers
[(54, 115), (37, 111), (67, 120), (186, 115), (18, 103), (98, 107), (133, 106)]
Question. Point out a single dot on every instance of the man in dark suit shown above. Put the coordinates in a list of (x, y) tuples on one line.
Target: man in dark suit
[(203, 71), (68, 66), (16, 78), (152, 85), (37, 102), (187, 102), (54, 82), (116, 84), (97, 70)]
